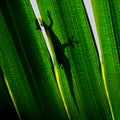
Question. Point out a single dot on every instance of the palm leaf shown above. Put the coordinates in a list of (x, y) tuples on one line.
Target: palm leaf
[(66, 80), (109, 52)]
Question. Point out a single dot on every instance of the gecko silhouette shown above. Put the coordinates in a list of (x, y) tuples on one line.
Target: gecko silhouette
[(60, 55)]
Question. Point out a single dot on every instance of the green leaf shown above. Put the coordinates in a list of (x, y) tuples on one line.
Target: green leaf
[(110, 54), (73, 84)]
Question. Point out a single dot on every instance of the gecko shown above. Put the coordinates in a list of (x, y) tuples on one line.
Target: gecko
[(62, 59)]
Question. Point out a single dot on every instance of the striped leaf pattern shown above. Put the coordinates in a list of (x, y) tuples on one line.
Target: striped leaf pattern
[(56, 63)]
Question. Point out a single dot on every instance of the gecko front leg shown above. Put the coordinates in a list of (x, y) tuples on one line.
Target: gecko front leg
[(49, 16)]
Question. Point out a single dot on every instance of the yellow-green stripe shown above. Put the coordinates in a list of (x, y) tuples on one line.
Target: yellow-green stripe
[(106, 90), (12, 98)]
